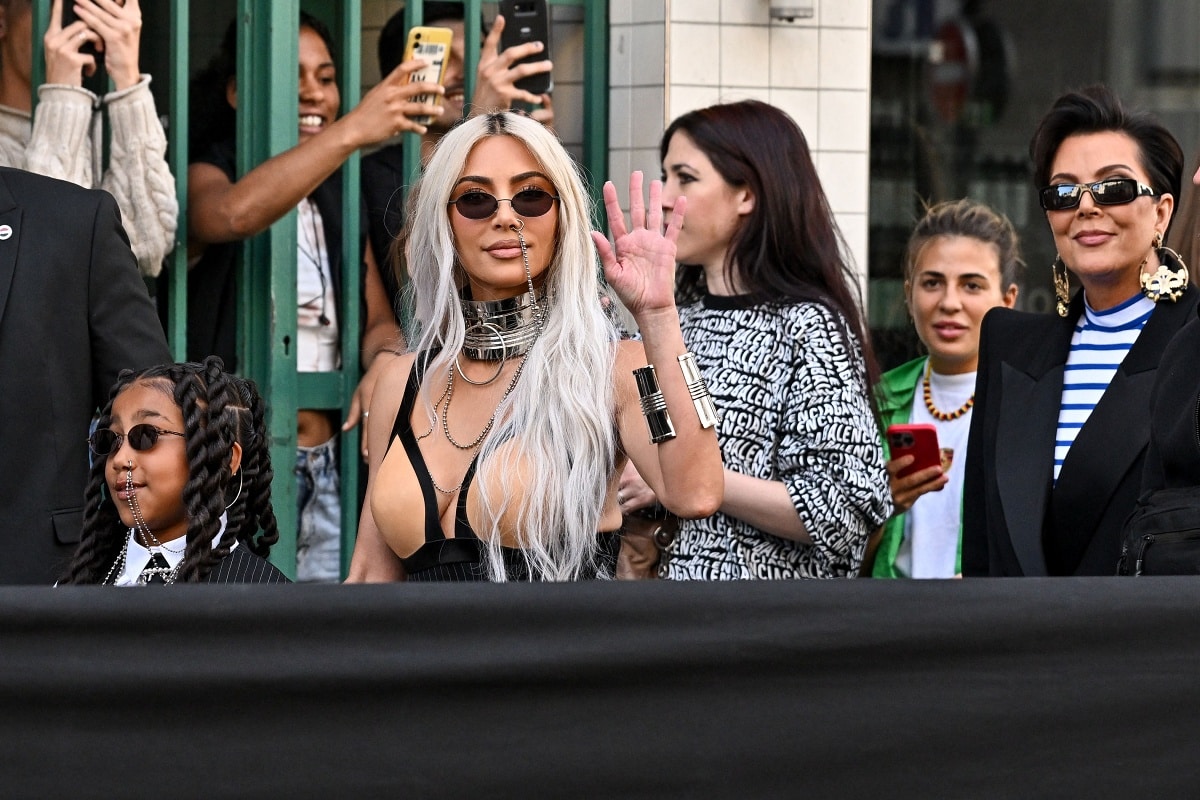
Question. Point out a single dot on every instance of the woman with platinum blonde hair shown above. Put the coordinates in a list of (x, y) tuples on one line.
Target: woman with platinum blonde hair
[(496, 445)]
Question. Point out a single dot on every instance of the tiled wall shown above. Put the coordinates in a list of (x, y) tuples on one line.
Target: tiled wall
[(818, 70)]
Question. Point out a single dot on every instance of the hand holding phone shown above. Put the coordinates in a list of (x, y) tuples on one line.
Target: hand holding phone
[(432, 45), (528, 21), (919, 441)]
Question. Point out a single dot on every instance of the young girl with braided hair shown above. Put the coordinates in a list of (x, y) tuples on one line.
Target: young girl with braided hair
[(180, 489)]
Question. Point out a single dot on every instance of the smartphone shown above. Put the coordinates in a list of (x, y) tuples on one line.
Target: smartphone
[(433, 45), (914, 440), (89, 48), (528, 21)]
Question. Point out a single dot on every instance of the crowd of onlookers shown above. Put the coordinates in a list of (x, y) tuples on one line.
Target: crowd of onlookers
[(743, 430)]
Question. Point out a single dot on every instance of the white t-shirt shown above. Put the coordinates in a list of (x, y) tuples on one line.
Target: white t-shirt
[(932, 525), (317, 347)]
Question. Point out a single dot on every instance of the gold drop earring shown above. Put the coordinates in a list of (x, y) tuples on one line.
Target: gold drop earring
[(1164, 283), (1062, 287)]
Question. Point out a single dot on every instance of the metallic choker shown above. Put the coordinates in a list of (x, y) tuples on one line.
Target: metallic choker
[(501, 329)]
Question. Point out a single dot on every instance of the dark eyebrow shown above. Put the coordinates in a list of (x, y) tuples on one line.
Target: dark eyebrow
[(524, 176), (1102, 171), (148, 413)]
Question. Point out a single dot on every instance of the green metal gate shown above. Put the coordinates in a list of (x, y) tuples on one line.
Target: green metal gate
[(267, 113)]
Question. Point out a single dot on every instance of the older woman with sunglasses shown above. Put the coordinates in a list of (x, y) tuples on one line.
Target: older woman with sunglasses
[(1062, 402), (496, 446)]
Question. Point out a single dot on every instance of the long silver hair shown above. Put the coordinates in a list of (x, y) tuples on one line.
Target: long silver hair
[(557, 427)]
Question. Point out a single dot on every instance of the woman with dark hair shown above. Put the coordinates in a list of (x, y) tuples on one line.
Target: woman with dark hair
[(1061, 422), (180, 491), (224, 209), (770, 309)]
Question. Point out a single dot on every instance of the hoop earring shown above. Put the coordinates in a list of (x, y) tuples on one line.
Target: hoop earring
[(1165, 283), (241, 482), (1062, 286)]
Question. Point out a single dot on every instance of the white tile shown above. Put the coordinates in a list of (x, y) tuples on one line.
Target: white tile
[(745, 55), (568, 112), (620, 131), (844, 120), (745, 12), (647, 116), (620, 12), (649, 55), (736, 94), (618, 167), (795, 58), (854, 231), (682, 99), (844, 178), (845, 13), (696, 11), (620, 55), (649, 10), (647, 160), (567, 52), (694, 55), (803, 106), (845, 58)]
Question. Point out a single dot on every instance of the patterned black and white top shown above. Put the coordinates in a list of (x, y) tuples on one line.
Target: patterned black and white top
[(789, 384)]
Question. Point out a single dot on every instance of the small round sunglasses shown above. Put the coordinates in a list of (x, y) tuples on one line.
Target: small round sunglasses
[(481, 205), (1111, 192), (141, 438)]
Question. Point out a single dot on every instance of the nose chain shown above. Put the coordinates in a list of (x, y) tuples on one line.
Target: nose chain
[(148, 537)]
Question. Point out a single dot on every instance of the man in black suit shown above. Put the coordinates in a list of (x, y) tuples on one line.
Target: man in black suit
[(73, 313)]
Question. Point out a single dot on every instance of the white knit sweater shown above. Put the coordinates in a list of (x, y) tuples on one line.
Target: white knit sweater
[(64, 141)]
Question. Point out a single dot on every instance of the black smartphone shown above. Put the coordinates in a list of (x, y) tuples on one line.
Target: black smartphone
[(528, 21), (69, 16)]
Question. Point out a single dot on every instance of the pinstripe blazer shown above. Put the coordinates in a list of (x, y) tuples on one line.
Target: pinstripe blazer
[(242, 566)]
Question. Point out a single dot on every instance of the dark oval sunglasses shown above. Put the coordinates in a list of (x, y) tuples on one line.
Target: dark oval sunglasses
[(141, 438), (1111, 192), (481, 205)]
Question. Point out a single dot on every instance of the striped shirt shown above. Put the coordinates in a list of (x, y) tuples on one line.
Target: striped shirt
[(1100, 343)]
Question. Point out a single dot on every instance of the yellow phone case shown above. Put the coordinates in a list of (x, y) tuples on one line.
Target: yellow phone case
[(433, 45)]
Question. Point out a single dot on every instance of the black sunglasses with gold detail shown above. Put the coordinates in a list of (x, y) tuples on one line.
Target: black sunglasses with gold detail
[(476, 204), (1110, 192), (141, 438)]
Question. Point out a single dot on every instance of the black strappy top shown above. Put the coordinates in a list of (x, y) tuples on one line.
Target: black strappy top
[(462, 558)]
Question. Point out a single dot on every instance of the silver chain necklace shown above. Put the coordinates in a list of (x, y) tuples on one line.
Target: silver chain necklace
[(148, 538)]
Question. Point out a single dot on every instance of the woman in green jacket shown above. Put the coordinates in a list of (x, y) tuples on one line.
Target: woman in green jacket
[(962, 260)]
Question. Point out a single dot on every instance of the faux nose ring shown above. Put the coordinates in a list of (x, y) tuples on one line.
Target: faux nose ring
[(518, 226)]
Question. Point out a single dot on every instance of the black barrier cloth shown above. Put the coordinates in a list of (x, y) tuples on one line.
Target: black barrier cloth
[(987, 688)]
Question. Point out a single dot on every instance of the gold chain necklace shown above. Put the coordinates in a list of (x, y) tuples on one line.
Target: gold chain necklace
[(942, 416)]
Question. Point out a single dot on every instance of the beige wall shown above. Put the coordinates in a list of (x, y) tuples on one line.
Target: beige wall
[(671, 56)]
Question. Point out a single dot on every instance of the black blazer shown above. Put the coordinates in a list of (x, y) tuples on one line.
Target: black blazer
[(74, 312), (243, 566), (1174, 457), (1015, 520)]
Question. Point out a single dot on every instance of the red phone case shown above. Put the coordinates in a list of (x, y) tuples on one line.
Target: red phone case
[(914, 440)]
